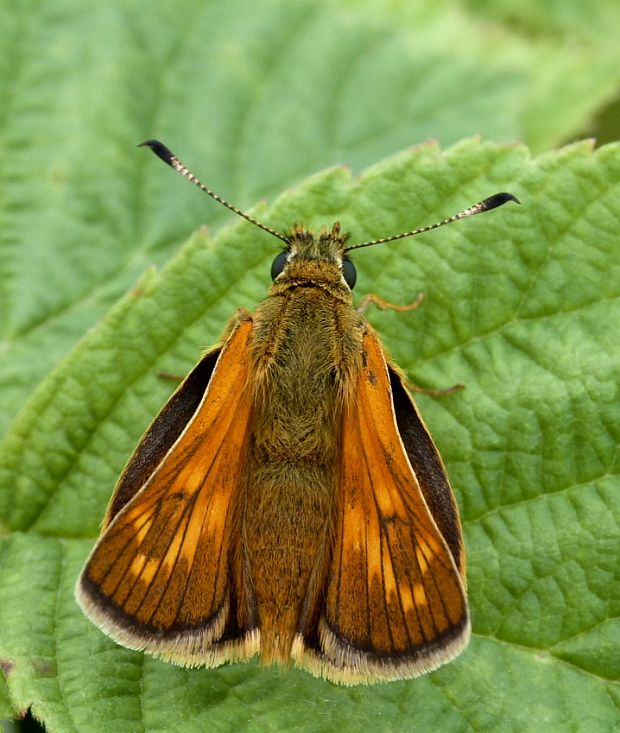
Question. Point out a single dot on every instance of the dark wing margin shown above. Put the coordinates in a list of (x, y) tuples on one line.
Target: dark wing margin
[(162, 433)]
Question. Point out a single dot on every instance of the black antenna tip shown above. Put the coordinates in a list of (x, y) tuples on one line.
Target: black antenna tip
[(498, 199), (160, 150)]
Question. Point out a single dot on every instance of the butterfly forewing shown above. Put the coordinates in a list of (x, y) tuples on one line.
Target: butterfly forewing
[(160, 576), (395, 604)]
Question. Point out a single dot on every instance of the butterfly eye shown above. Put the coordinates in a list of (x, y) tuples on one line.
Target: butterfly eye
[(278, 264), (349, 272)]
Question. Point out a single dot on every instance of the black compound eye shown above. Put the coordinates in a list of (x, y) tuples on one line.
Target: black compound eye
[(278, 264), (349, 273)]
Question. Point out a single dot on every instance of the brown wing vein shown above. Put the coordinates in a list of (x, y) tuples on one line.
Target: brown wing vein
[(384, 538), (439, 596), (144, 589), (161, 571), (191, 576), (368, 578), (385, 554), (398, 571), (125, 547)]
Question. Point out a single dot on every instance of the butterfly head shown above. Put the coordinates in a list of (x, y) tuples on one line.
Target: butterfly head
[(315, 258)]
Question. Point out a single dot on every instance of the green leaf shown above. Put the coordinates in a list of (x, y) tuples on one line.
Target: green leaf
[(6, 709), (595, 22), (521, 305), (255, 97)]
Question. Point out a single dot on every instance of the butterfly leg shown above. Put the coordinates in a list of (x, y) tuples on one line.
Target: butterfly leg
[(413, 387), (386, 305), (382, 304), (169, 375)]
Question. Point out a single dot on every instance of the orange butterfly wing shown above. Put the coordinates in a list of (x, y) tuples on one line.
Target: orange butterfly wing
[(162, 576), (394, 603)]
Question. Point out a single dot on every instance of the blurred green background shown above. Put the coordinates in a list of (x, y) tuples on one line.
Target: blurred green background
[(254, 97)]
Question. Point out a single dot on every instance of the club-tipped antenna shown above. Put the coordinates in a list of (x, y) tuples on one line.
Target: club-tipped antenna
[(171, 159), (492, 202)]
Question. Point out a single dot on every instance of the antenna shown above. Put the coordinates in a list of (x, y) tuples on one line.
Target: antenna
[(492, 202), (171, 159)]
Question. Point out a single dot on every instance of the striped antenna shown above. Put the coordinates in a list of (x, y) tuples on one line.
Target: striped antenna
[(498, 199), (168, 157)]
